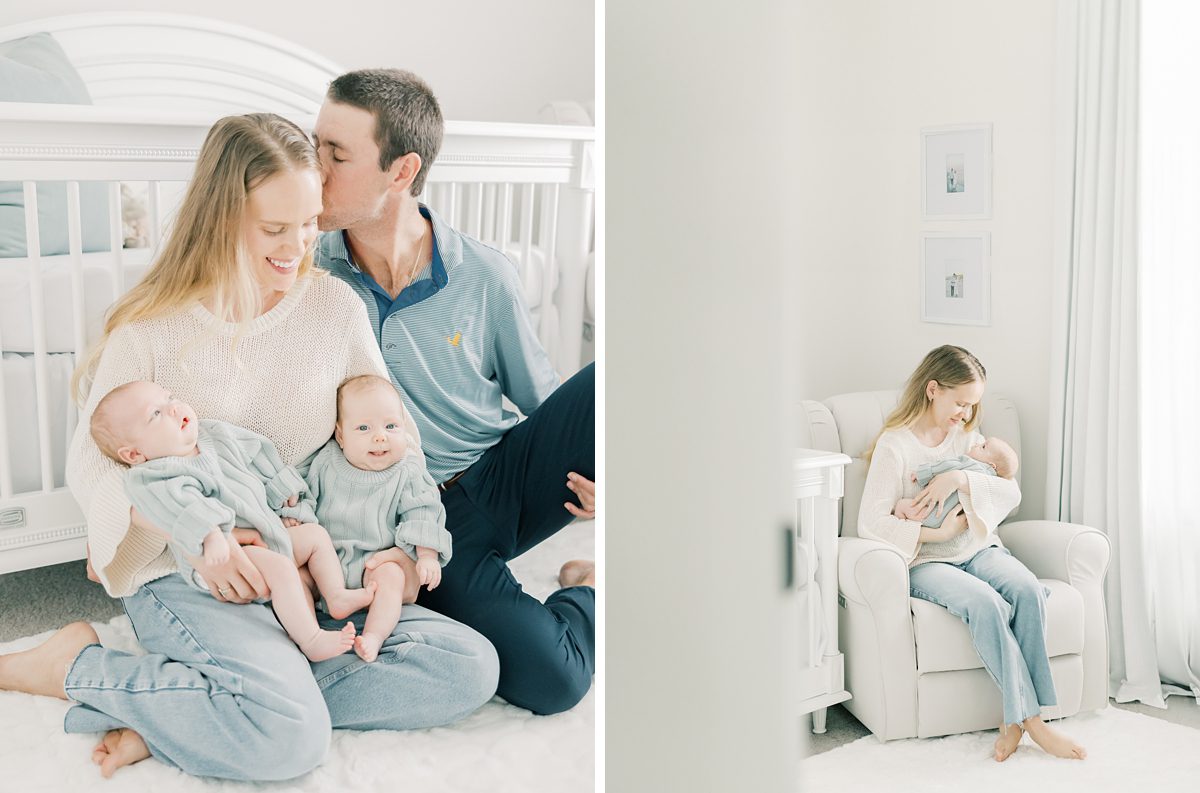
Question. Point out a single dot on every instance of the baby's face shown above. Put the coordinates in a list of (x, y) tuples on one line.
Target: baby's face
[(371, 429), (151, 423), (990, 451)]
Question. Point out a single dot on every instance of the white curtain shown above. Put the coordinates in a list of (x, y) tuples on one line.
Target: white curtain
[(1170, 344), (1095, 458)]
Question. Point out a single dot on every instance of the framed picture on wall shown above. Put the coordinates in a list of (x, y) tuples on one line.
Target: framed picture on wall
[(956, 172), (956, 278)]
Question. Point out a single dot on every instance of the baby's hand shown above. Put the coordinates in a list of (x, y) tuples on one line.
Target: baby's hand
[(291, 502), (904, 509), (913, 476), (290, 523), (216, 548), (430, 572)]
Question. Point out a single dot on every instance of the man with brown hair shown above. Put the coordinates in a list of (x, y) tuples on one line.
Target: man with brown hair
[(457, 337)]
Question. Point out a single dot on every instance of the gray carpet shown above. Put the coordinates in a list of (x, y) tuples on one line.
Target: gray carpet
[(33, 601), (842, 728)]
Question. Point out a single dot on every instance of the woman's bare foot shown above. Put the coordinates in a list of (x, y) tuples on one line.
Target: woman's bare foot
[(1053, 741), (350, 601), (328, 644), (119, 748), (43, 670), (1009, 740), (367, 646), (577, 572)]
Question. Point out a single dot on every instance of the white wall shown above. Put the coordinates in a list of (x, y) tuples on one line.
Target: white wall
[(878, 72), (486, 61)]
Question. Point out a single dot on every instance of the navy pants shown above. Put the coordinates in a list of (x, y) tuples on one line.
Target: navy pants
[(507, 502)]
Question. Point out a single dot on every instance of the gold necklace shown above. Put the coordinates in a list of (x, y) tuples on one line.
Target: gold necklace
[(412, 272)]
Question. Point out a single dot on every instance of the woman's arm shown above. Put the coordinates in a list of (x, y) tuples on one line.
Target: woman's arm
[(883, 488), (98, 483)]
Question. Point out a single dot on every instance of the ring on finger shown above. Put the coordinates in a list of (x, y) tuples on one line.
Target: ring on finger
[(224, 590)]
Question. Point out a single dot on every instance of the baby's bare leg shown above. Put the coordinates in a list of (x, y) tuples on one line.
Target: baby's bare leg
[(388, 580), (294, 609), (312, 548)]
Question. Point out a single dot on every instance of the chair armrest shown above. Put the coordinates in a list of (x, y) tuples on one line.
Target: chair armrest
[(875, 621), (1078, 555), (870, 572), (1068, 552)]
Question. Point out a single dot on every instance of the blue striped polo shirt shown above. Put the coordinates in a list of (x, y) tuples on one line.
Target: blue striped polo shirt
[(456, 340)]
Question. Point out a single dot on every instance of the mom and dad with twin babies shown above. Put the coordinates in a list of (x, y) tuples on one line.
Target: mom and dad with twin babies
[(316, 420)]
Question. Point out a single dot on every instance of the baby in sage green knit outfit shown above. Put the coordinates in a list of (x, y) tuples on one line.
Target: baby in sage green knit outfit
[(373, 492), (196, 479)]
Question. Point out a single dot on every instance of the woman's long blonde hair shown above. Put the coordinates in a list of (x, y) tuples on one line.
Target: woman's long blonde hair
[(951, 367), (205, 255)]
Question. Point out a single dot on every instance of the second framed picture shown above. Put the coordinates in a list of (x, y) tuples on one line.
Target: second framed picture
[(956, 172), (956, 278)]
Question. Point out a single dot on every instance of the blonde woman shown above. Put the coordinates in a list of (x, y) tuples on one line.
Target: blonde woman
[(962, 565), (234, 319)]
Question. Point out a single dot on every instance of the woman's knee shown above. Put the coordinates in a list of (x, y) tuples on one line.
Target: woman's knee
[(988, 606), (282, 746)]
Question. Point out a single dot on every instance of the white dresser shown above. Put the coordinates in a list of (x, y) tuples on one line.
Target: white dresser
[(817, 483)]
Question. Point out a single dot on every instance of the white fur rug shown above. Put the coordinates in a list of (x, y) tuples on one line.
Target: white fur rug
[(499, 748), (1126, 752)]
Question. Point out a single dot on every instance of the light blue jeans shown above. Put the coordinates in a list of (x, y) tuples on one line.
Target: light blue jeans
[(1004, 607), (223, 691)]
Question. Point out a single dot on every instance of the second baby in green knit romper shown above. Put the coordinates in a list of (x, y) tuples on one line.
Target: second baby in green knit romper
[(373, 492), (196, 479)]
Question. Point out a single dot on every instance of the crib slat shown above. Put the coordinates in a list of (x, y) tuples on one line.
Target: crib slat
[(154, 210), (504, 233), (476, 226), (116, 237), (549, 233), (75, 236), (37, 297), (451, 213), (489, 215), (526, 239), (6, 482)]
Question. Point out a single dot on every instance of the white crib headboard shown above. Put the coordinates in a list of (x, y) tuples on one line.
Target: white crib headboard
[(181, 62)]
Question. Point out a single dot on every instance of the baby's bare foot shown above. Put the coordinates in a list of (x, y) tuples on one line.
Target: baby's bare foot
[(119, 748), (577, 572), (367, 646), (43, 670), (350, 601), (1054, 742), (1009, 740), (329, 644)]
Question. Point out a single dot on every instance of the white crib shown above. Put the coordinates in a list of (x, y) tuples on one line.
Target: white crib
[(159, 81)]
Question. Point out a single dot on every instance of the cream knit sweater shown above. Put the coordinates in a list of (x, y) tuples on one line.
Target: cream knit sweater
[(292, 360), (897, 455)]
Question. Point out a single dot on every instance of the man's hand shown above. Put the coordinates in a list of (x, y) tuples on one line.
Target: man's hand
[(585, 490)]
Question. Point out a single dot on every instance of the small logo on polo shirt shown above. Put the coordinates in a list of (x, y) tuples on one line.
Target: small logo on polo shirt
[(455, 339)]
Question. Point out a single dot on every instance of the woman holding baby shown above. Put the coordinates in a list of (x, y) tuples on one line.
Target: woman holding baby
[(954, 555)]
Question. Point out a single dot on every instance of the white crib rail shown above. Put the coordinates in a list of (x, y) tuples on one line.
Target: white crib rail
[(526, 189)]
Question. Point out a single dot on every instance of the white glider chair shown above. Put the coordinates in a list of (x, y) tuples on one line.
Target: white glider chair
[(910, 666)]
